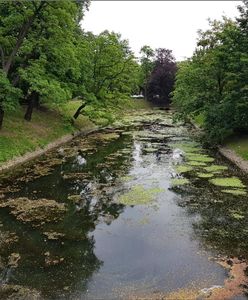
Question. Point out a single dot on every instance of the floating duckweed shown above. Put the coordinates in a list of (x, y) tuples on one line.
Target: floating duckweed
[(183, 169), (215, 168), (187, 148), (200, 158), (127, 178), (235, 192), (237, 214), (138, 195), (196, 164), (205, 175), (150, 150), (228, 182), (179, 181)]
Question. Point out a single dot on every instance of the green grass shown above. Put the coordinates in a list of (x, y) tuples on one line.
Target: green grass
[(18, 136), (199, 120), (239, 145), (138, 104)]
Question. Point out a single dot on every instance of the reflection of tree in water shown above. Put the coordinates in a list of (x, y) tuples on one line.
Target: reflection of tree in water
[(223, 222), (57, 267)]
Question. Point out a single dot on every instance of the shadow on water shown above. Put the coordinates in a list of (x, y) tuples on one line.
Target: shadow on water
[(127, 229)]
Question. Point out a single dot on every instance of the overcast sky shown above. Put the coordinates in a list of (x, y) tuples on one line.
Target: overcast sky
[(165, 24)]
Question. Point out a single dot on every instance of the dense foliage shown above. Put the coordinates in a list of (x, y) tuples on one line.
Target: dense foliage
[(212, 85), (47, 59), (158, 70)]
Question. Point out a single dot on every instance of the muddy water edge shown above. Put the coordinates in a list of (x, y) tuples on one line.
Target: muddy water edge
[(138, 211)]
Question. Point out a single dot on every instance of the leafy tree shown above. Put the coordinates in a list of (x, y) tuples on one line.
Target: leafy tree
[(214, 81), (147, 65), (37, 50), (163, 76)]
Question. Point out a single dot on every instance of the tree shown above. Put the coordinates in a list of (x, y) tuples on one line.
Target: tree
[(162, 77), (147, 65), (37, 48), (213, 82)]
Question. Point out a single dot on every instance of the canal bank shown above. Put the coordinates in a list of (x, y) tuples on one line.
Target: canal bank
[(125, 214)]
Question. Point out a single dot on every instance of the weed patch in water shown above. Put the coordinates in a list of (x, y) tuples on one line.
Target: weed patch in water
[(183, 169), (138, 195), (228, 182), (235, 192), (37, 212), (196, 163), (187, 147), (215, 168), (199, 157), (179, 181), (205, 175), (127, 178)]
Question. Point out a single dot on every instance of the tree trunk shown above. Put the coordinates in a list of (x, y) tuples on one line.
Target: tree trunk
[(33, 99), (77, 113), (22, 34), (1, 116)]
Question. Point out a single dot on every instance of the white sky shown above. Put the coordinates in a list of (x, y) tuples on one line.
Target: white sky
[(165, 24)]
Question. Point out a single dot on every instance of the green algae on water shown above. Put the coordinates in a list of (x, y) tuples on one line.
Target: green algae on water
[(187, 147), (205, 175), (179, 181), (127, 178), (138, 195), (215, 168), (228, 182), (199, 157), (236, 192), (196, 163), (183, 169)]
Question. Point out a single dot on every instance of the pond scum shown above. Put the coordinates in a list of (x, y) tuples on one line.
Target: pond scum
[(95, 194)]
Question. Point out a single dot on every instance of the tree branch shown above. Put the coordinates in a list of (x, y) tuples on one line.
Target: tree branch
[(22, 34), (2, 56)]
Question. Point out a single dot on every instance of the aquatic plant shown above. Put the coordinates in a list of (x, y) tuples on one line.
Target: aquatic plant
[(205, 175), (183, 169), (179, 181), (227, 182), (138, 195), (215, 168), (199, 157), (236, 192), (196, 163)]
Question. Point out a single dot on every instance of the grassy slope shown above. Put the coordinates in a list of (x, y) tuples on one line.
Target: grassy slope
[(19, 136), (239, 145)]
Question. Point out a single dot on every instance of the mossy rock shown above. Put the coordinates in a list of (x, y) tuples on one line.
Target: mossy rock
[(227, 182), (179, 181)]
